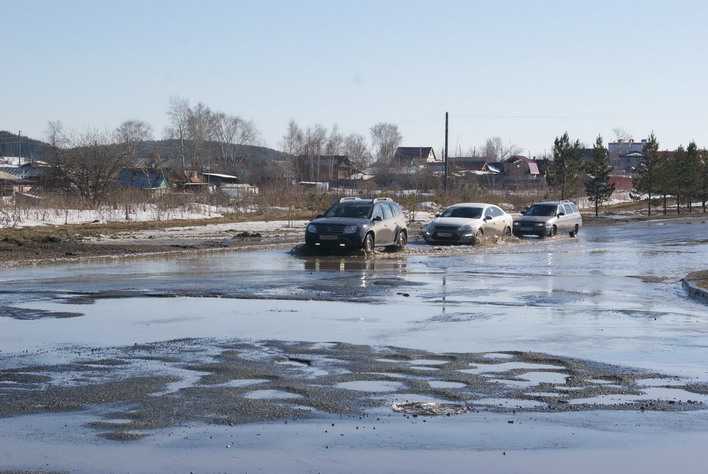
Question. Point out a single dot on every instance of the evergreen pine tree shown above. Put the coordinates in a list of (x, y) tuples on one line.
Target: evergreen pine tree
[(692, 174), (645, 178), (597, 186), (565, 168)]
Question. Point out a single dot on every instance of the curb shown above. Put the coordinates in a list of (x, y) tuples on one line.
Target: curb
[(694, 291)]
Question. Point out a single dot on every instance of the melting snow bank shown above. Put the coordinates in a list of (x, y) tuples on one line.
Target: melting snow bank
[(35, 216)]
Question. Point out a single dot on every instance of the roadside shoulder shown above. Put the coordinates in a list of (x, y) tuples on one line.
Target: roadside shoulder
[(696, 284)]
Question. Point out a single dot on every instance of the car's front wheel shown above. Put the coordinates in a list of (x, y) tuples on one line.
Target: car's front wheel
[(402, 240), (368, 245), (478, 238)]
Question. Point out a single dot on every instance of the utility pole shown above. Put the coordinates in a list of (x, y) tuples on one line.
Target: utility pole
[(19, 147), (446, 120)]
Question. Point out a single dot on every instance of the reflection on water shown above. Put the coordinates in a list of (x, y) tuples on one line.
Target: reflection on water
[(354, 264)]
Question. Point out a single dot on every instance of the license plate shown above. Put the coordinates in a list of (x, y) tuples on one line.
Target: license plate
[(444, 234), (328, 237)]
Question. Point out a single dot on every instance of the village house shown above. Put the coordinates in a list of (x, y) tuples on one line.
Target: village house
[(151, 179), (324, 168), (409, 159)]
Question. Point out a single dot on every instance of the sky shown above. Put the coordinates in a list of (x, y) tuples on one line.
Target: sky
[(525, 71)]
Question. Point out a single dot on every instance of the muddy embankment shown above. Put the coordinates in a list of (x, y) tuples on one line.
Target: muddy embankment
[(696, 284)]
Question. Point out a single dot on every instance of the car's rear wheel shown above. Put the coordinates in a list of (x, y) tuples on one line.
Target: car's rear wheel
[(507, 233), (554, 231), (575, 231), (368, 245)]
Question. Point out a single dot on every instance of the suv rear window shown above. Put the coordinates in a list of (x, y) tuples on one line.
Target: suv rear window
[(545, 210), (345, 209)]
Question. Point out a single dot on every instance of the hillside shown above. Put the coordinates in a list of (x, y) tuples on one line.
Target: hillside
[(169, 150), (11, 145)]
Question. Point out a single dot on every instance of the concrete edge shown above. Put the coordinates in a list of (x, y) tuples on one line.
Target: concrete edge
[(694, 291)]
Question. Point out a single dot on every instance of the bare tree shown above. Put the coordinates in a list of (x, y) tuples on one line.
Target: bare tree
[(385, 138), (248, 133), (131, 133), (496, 150), (356, 149), (90, 165), (315, 138), (178, 114), (293, 140), (56, 136), (335, 141), (200, 130), (622, 135)]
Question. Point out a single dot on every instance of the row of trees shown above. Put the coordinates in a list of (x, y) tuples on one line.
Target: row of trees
[(314, 141), (681, 175), (88, 163), (206, 135)]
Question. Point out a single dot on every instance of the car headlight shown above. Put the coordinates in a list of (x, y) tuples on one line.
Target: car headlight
[(540, 224), (466, 228), (312, 229), (351, 229), (516, 223)]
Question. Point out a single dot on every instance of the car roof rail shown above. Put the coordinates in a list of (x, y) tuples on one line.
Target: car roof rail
[(347, 199), (386, 199)]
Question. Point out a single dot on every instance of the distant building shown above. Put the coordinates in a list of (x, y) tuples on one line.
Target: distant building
[(465, 166), (324, 168), (7, 183), (219, 179), (143, 178), (625, 155), (408, 159), (519, 167)]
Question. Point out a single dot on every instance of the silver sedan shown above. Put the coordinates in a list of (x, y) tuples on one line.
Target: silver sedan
[(468, 223)]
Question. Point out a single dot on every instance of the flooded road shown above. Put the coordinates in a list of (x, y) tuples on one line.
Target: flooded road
[(556, 331)]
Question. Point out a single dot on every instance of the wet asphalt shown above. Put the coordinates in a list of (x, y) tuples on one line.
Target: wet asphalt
[(599, 322)]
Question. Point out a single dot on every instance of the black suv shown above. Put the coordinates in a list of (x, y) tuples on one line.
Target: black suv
[(355, 223)]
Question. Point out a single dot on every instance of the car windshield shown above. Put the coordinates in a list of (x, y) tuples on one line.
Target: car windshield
[(545, 210), (355, 210), (464, 212)]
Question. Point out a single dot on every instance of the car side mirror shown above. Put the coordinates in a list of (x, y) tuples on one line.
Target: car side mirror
[(487, 218), (561, 214), (376, 219), (437, 215), (319, 216)]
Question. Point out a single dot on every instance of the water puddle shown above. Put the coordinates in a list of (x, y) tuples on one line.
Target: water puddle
[(445, 384), (509, 403), (271, 395), (374, 386), (428, 362), (506, 366), (497, 356), (671, 395)]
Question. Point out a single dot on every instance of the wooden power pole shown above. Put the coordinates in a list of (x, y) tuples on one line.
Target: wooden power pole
[(446, 119)]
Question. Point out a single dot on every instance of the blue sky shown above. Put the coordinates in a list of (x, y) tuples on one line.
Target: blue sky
[(522, 70)]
